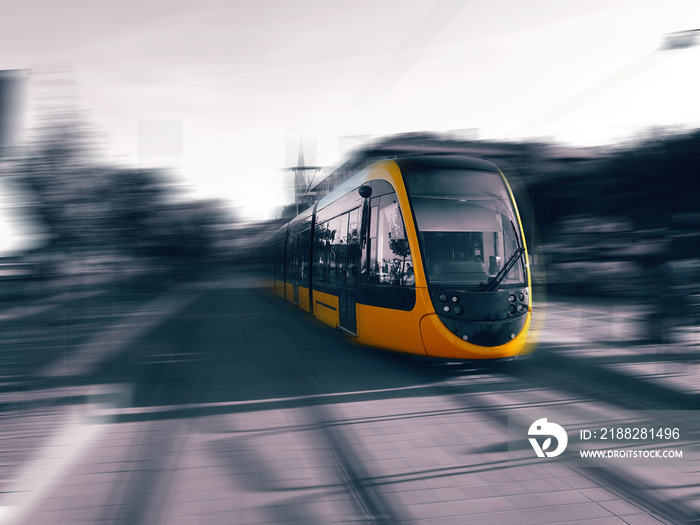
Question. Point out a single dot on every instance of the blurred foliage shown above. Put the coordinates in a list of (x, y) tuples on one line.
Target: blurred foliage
[(607, 218), (86, 204), (649, 182)]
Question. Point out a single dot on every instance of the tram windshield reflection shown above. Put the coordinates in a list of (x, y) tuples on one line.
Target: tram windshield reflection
[(467, 236)]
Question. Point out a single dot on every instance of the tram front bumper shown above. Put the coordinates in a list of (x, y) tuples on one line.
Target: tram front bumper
[(439, 341)]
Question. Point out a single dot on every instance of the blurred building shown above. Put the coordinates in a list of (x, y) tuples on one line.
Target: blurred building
[(12, 87)]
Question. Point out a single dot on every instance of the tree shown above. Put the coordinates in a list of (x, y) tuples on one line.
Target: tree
[(84, 201)]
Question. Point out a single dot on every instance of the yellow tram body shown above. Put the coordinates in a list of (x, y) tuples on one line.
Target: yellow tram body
[(410, 320)]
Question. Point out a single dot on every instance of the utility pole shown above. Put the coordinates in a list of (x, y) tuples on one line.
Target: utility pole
[(303, 179)]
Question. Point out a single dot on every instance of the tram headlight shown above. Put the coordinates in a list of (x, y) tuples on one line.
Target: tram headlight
[(446, 309), (443, 298), (511, 309), (458, 310), (455, 299), (511, 298)]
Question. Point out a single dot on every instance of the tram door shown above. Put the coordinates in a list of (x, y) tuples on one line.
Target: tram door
[(348, 260)]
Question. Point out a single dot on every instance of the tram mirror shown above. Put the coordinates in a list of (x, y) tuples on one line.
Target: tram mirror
[(365, 191), (494, 264)]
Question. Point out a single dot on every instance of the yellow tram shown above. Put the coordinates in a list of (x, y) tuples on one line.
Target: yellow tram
[(419, 254)]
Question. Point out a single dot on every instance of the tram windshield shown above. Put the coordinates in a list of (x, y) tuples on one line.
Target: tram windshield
[(467, 227)]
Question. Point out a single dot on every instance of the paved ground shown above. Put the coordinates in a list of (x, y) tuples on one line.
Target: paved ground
[(613, 335), (213, 403)]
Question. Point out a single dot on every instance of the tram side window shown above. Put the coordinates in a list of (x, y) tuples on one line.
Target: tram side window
[(323, 236), (390, 259), (336, 250), (334, 259), (353, 247), (339, 228), (279, 260), (304, 240), (293, 258)]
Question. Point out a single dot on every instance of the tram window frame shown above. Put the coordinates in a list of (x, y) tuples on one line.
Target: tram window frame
[(321, 267), (332, 260), (341, 249), (336, 255), (353, 247), (370, 271), (379, 242), (318, 253), (304, 255)]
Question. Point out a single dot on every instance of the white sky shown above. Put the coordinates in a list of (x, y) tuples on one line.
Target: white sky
[(245, 79)]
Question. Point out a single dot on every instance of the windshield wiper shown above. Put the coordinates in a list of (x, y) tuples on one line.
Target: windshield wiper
[(491, 286)]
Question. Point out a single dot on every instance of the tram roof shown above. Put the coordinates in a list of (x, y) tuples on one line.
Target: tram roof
[(411, 163), (421, 162), (415, 162)]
